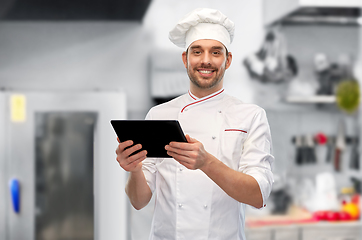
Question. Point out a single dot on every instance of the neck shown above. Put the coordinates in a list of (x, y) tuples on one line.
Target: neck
[(200, 93)]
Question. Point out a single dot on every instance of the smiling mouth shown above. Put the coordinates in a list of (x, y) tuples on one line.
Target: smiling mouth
[(206, 72)]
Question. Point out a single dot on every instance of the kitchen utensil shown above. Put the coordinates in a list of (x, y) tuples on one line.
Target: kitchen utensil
[(299, 150), (354, 161), (330, 148), (322, 68), (282, 200), (272, 63), (355, 156), (255, 63), (309, 149), (340, 146)]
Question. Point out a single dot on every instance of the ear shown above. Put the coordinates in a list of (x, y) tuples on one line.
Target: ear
[(228, 60), (184, 59)]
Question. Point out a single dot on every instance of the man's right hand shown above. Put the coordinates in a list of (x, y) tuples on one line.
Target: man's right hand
[(130, 163)]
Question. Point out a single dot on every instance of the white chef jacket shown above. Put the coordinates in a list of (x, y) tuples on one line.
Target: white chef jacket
[(188, 204)]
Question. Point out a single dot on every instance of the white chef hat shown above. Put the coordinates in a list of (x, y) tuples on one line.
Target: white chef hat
[(203, 23)]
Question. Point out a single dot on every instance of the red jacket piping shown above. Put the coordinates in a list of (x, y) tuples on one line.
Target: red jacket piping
[(201, 100)]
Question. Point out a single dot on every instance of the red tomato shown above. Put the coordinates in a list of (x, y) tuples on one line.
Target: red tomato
[(332, 216), (320, 215), (344, 216)]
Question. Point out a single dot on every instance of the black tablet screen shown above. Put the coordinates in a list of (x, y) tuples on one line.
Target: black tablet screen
[(153, 135)]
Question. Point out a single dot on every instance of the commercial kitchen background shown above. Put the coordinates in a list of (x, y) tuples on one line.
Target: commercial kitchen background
[(134, 59)]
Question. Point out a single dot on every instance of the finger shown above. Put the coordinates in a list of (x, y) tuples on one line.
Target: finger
[(137, 158), (181, 146), (129, 151), (136, 162), (125, 161), (133, 165), (178, 151), (190, 139), (179, 157), (123, 145)]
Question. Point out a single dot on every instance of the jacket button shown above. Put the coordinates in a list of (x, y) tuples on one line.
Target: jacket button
[(213, 137), (205, 206), (219, 111), (180, 205)]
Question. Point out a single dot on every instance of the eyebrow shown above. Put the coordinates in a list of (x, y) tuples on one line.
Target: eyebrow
[(218, 48), (214, 47)]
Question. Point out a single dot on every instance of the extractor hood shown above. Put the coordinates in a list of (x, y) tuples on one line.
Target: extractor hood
[(73, 10), (313, 11)]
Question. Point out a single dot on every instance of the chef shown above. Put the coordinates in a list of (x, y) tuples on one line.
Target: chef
[(202, 189)]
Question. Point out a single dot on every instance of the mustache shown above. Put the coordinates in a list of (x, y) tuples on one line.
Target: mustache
[(206, 66)]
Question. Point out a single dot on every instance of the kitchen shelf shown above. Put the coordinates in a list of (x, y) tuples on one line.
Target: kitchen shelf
[(311, 99)]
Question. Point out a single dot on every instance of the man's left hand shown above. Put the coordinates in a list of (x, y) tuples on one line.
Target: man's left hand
[(191, 154)]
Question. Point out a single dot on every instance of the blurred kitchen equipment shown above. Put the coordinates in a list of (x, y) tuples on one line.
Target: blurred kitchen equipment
[(340, 145), (354, 161), (357, 184), (305, 149), (14, 186), (321, 138), (322, 66), (309, 154), (272, 63), (326, 197), (312, 12), (280, 197), (58, 182), (282, 201), (328, 74), (299, 150), (330, 148)]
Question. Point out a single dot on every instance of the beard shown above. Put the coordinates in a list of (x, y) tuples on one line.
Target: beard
[(206, 82)]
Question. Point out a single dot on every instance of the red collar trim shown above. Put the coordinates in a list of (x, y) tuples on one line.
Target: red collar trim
[(202, 100), (191, 95)]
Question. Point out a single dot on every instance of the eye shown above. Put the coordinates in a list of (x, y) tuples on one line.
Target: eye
[(216, 53), (196, 52)]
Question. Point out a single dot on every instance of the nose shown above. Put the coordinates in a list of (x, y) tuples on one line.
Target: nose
[(206, 59)]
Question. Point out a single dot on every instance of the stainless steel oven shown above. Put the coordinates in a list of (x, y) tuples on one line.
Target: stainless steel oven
[(58, 174)]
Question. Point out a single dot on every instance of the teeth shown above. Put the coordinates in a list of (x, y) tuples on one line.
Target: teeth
[(205, 71)]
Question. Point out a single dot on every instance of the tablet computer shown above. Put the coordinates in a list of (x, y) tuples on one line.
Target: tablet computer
[(153, 135)]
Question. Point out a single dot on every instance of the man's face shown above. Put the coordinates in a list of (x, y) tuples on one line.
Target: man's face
[(206, 62)]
